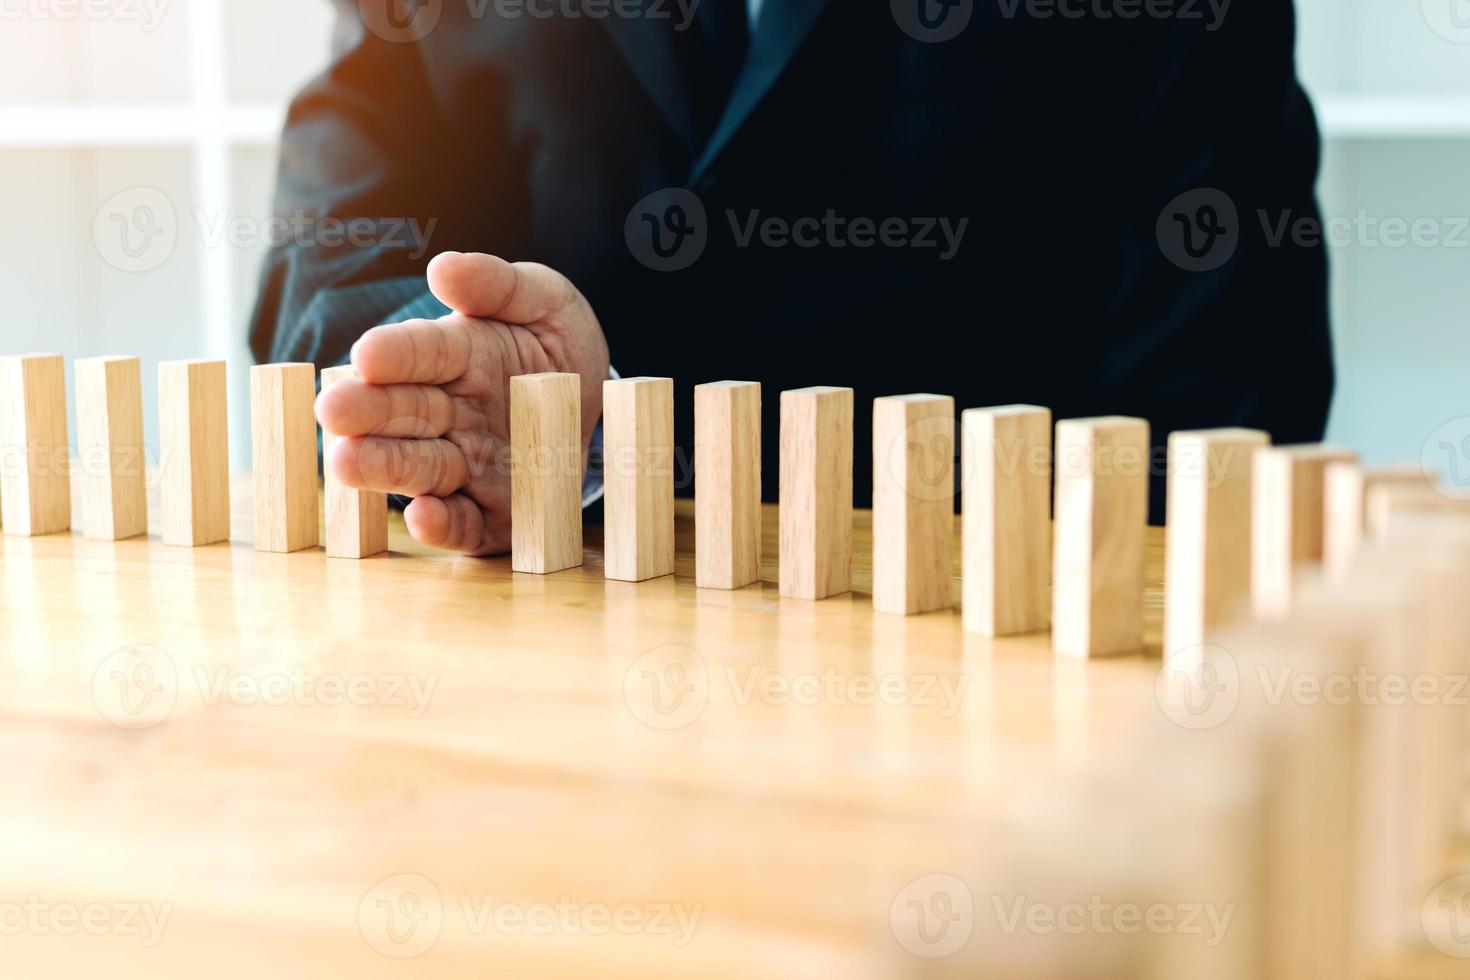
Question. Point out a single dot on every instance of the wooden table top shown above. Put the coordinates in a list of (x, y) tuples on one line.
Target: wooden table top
[(316, 766)]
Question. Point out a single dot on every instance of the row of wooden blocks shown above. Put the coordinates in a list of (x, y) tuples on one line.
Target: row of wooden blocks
[(1244, 516)]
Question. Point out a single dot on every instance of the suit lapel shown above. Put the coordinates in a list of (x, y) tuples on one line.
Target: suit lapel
[(647, 45), (783, 26)]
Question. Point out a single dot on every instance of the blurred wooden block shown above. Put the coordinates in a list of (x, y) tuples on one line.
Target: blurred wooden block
[(357, 520), (1388, 504), (816, 492), (1287, 519), (110, 457), (1345, 507), (283, 428), (1403, 842), (1007, 519), (727, 484), (1101, 521), (1207, 532), (913, 503), (546, 472), (194, 452), (35, 468), (638, 473)]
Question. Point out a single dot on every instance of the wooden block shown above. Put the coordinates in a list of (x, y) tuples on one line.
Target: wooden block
[(1287, 519), (1101, 521), (727, 484), (546, 472), (638, 473), (1207, 571), (110, 458), (913, 503), (1345, 507), (816, 492), (357, 520), (35, 470), (1007, 519), (194, 452), (283, 429), (1388, 504)]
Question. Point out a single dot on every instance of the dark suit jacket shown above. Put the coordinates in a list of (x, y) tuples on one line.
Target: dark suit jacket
[(1097, 161)]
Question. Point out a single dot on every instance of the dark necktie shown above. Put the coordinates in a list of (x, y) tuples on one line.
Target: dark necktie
[(713, 53)]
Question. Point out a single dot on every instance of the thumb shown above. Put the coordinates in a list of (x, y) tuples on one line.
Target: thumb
[(489, 288)]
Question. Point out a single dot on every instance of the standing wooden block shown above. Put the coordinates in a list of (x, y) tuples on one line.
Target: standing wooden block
[(1345, 507), (1007, 519), (913, 503), (546, 472), (727, 484), (283, 428), (1286, 519), (194, 452), (1101, 523), (638, 473), (110, 456), (1207, 570), (816, 492), (357, 520), (35, 471)]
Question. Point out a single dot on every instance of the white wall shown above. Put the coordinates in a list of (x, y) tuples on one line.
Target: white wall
[(96, 86)]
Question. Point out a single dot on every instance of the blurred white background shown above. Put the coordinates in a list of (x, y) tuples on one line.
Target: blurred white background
[(186, 97)]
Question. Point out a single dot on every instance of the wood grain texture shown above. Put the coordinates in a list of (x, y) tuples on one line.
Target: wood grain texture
[(1287, 519), (913, 503), (816, 492), (35, 468), (1345, 507), (727, 483), (1007, 519), (1101, 514), (194, 452), (638, 474), (283, 430), (507, 743), (111, 461), (1208, 563), (357, 520), (546, 472)]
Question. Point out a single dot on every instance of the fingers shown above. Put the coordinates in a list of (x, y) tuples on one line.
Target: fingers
[(455, 523), (406, 466), (352, 408), (429, 352), (491, 288)]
